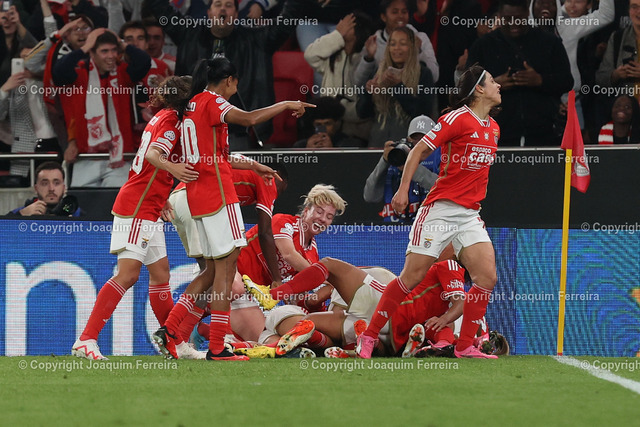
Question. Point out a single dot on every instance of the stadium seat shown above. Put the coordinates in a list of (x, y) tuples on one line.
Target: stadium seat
[(290, 73)]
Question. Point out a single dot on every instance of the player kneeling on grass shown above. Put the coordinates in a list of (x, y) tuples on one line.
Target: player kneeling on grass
[(138, 230)]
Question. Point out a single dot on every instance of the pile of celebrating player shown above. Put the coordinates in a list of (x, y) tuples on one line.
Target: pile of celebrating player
[(266, 290)]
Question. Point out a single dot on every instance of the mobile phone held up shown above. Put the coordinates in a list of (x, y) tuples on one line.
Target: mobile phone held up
[(17, 65)]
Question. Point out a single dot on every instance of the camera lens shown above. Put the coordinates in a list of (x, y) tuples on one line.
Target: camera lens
[(398, 155)]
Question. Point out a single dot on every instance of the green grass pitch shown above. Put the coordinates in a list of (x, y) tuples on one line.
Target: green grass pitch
[(147, 390)]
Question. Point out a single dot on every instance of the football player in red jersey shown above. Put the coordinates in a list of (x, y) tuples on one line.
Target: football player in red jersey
[(212, 197), (354, 299), (247, 320), (138, 235), (450, 213)]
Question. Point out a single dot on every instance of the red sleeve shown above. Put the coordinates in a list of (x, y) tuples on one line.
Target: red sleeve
[(451, 277), (282, 227), (265, 195), (442, 132), (217, 113), (166, 133)]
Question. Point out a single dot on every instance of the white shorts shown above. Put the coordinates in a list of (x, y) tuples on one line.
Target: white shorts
[(139, 239), (278, 314), (442, 222), (244, 301), (362, 307), (222, 233), (185, 225)]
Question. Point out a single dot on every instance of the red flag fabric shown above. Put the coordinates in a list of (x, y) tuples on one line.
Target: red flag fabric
[(572, 139)]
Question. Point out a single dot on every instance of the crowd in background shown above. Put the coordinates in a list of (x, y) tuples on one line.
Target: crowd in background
[(379, 64)]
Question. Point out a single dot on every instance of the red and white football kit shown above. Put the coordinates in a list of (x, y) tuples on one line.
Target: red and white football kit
[(250, 188), (251, 260), (137, 227), (450, 211), (430, 298), (212, 197)]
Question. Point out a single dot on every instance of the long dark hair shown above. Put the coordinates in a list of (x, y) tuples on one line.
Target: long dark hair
[(211, 71), (464, 93)]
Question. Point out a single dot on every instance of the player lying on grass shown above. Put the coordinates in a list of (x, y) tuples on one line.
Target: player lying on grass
[(355, 296)]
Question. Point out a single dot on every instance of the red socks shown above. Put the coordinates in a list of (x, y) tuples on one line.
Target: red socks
[(387, 306), (445, 334), (317, 340), (217, 330), (179, 312), (306, 280), (106, 302), (161, 301), (475, 306), (189, 322)]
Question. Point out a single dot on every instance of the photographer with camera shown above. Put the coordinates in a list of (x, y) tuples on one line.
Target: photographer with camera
[(327, 123), (384, 180), (50, 194)]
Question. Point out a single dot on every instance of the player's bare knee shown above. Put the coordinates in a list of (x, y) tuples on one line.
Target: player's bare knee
[(411, 277), (126, 279), (328, 262), (485, 279)]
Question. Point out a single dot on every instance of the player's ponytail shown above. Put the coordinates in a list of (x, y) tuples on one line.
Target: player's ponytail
[(465, 92), (211, 71)]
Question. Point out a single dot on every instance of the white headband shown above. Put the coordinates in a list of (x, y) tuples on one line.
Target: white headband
[(477, 83)]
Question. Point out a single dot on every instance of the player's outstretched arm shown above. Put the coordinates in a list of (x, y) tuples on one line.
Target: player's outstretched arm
[(238, 161), (252, 118), (401, 199)]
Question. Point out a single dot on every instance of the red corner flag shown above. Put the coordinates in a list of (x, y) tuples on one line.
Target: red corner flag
[(572, 139)]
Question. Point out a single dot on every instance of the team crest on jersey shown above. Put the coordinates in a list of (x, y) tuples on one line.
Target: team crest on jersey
[(170, 135), (220, 100), (427, 242), (145, 243), (477, 156), (496, 135)]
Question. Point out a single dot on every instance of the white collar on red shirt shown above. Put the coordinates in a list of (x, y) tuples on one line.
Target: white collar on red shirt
[(301, 228), (484, 123)]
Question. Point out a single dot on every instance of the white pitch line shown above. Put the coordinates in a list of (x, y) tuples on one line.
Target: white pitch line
[(603, 374)]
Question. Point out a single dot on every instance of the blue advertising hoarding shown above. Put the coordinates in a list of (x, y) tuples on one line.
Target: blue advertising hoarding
[(51, 271)]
